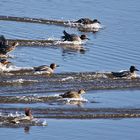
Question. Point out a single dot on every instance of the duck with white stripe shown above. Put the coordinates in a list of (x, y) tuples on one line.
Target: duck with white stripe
[(131, 73)]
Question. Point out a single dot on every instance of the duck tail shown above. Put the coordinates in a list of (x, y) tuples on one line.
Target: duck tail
[(36, 68), (61, 95), (65, 33)]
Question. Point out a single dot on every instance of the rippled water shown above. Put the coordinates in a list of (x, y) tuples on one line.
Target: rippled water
[(113, 48)]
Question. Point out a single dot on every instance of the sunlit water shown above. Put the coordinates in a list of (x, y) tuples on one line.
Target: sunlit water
[(114, 48)]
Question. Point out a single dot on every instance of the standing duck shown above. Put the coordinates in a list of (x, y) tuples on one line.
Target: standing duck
[(73, 94), (128, 74)]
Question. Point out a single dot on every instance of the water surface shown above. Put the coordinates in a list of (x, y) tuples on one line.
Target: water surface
[(114, 48)]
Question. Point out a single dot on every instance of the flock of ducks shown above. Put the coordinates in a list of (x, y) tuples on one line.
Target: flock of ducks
[(5, 48)]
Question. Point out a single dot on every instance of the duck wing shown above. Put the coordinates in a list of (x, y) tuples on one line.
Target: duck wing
[(67, 36), (84, 21), (121, 74), (66, 94), (41, 68)]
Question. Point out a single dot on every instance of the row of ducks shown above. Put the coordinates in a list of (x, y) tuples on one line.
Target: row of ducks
[(131, 73), (5, 64), (28, 113), (6, 48)]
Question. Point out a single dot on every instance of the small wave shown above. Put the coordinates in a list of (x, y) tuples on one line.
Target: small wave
[(28, 99), (41, 72), (42, 122), (59, 42), (73, 100), (67, 78), (20, 81), (16, 114), (85, 26)]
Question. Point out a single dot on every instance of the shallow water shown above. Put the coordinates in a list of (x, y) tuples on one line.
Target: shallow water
[(78, 129), (113, 48)]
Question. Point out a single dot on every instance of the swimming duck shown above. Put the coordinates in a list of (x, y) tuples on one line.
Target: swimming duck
[(4, 47), (73, 37), (28, 117), (88, 23), (28, 114), (73, 94), (4, 64), (128, 74), (46, 68)]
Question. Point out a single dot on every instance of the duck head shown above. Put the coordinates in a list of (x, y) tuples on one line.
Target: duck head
[(133, 68), (81, 91), (28, 112), (15, 44), (83, 37), (96, 21), (4, 62), (53, 66)]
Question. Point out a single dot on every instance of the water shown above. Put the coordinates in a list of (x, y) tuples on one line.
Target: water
[(79, 130), (114, 48)]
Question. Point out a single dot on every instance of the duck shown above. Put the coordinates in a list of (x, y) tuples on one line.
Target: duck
[(49, 69), (131, 73), (73, 94), (74, 37), (88, 23), (4, 47), (28, 117), (4, 64)]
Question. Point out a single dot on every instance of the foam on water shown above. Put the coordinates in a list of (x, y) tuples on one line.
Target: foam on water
[(16, 114), (92, 26), (67, 78), (20, 81), (70, 43), (68, 100), (15, 68)]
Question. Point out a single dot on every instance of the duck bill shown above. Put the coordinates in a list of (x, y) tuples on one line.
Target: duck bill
[(57, 66), (87, 38), (5, 63), (136, 70)]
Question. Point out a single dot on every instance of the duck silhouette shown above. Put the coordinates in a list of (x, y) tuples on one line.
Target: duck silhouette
[(49, 69), (131, 73), (73, 94), (87, 21), (73, 37), (27, 118)]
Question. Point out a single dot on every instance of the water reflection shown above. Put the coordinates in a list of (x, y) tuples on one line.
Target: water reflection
[(72, 49), (26, 129)]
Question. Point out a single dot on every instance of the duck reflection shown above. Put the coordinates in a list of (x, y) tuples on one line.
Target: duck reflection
[(26, 129), (72, 49)]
